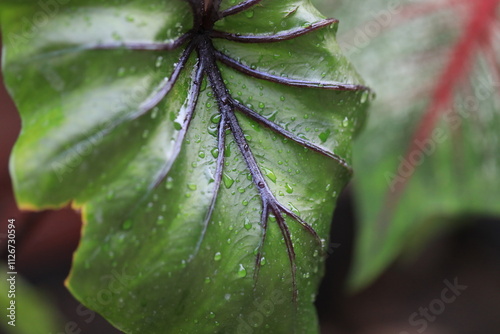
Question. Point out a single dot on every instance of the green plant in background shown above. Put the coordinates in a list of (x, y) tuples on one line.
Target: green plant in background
[(204, 142), (30, 304), (428, 159)]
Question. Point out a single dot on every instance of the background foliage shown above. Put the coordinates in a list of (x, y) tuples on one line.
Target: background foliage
[(428, 158)]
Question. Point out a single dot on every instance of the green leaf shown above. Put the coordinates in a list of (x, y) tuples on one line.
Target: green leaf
[(27, 307), (410, 188), (205, 150)]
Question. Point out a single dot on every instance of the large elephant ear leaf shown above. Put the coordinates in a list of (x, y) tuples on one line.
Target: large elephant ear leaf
[(205, 144)]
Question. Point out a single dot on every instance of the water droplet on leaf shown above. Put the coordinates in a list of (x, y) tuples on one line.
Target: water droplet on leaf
[(228, 180), (121, 71), (270, 174), (170, 183), (323, 136), (215, 152), (215, 118), (127, 225), (242, 272), (247, 225), (159, 61), (364, 96), (160, 220)]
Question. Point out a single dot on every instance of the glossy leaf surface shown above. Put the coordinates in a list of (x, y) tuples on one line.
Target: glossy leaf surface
[(205, 149)]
